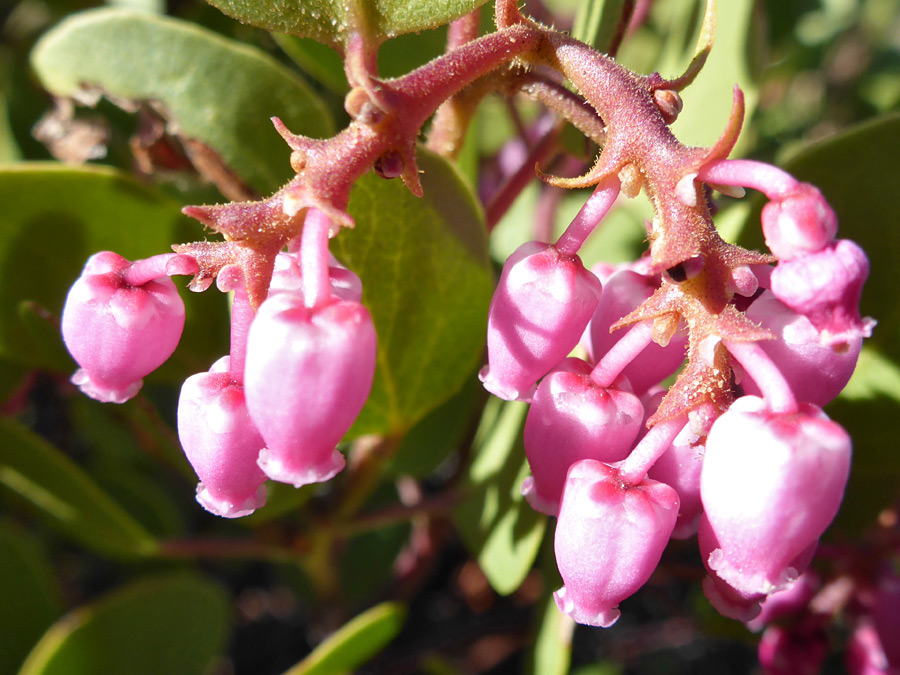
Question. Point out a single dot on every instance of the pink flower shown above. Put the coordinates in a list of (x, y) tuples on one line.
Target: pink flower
[(799, 223), (815, 372), (622, 292), (771, 484), (571, 418), (121, 321), (679, 467), (307, 376), (541, 306), (221, 443), (609, 538), (825, 287)]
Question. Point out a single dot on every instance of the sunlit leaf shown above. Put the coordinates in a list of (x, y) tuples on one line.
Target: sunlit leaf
[(174, 626), (552, 651), (211, 89), (332, 21), (56, 489), (496, 523), (427, 282), (354, 643)]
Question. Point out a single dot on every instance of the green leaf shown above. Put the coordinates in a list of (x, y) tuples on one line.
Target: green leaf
[(54, 218), (211, 89), (318, 60), (59, 491), (495, 522), (597, 22), (427, 282), (30, 596), (332, 21), (707, 101), (870, 399), (174, 626), (552, 653), (354, 643)]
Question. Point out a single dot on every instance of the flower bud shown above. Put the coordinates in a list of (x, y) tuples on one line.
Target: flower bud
[(865, 653), (798, 224), (541, 306), (118, 332), (307, 376), (797, 650), (771, 484), (609, 539), (221, 443), (826, 287), (679, 467), (815, 372), (571, 419)]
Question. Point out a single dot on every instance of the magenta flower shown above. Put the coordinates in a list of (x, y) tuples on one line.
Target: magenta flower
[(121, 321), (221, 443), (800, 223), (825, 287), (307, 376), (609, 538), (541, 307), (815, 372), (771, 483), (571, 418)]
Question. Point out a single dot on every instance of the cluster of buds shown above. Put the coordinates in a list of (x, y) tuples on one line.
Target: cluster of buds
[(299, 369), (738, 450)]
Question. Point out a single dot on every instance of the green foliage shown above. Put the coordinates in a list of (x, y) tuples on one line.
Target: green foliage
[(355, 642), (30, 595), (212, 90), (59, 204), (496, 523), (57, 490), (333, 21), (168, 625), (426, 281)]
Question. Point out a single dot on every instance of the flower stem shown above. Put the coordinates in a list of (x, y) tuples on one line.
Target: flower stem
[(757, 364), (241, 317), (773, 182), (593, 211), (650, 448), (314, 259), (622, 353)]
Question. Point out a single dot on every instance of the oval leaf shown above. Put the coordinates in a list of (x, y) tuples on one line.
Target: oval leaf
[(211, 89), (66, 497), (54, 218), (331, 21), (30, 596), (496, 523), (354, 643), (174, 626), (426, 281)]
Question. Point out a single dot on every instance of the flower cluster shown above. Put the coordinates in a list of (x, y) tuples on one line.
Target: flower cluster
[(299, 369), (738, 451)]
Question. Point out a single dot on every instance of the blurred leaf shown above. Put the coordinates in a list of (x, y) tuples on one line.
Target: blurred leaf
[(60, 492), (733, 61), (407, 52), (212, 90), (54, 218), (552, 651), (354, 643), (428, 284), (174, 626), (332, 21), (866, 408), (597, 22), (9, 149), (366, 564), (320, 61), (496, 523), (437, 435), (30, 596)]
